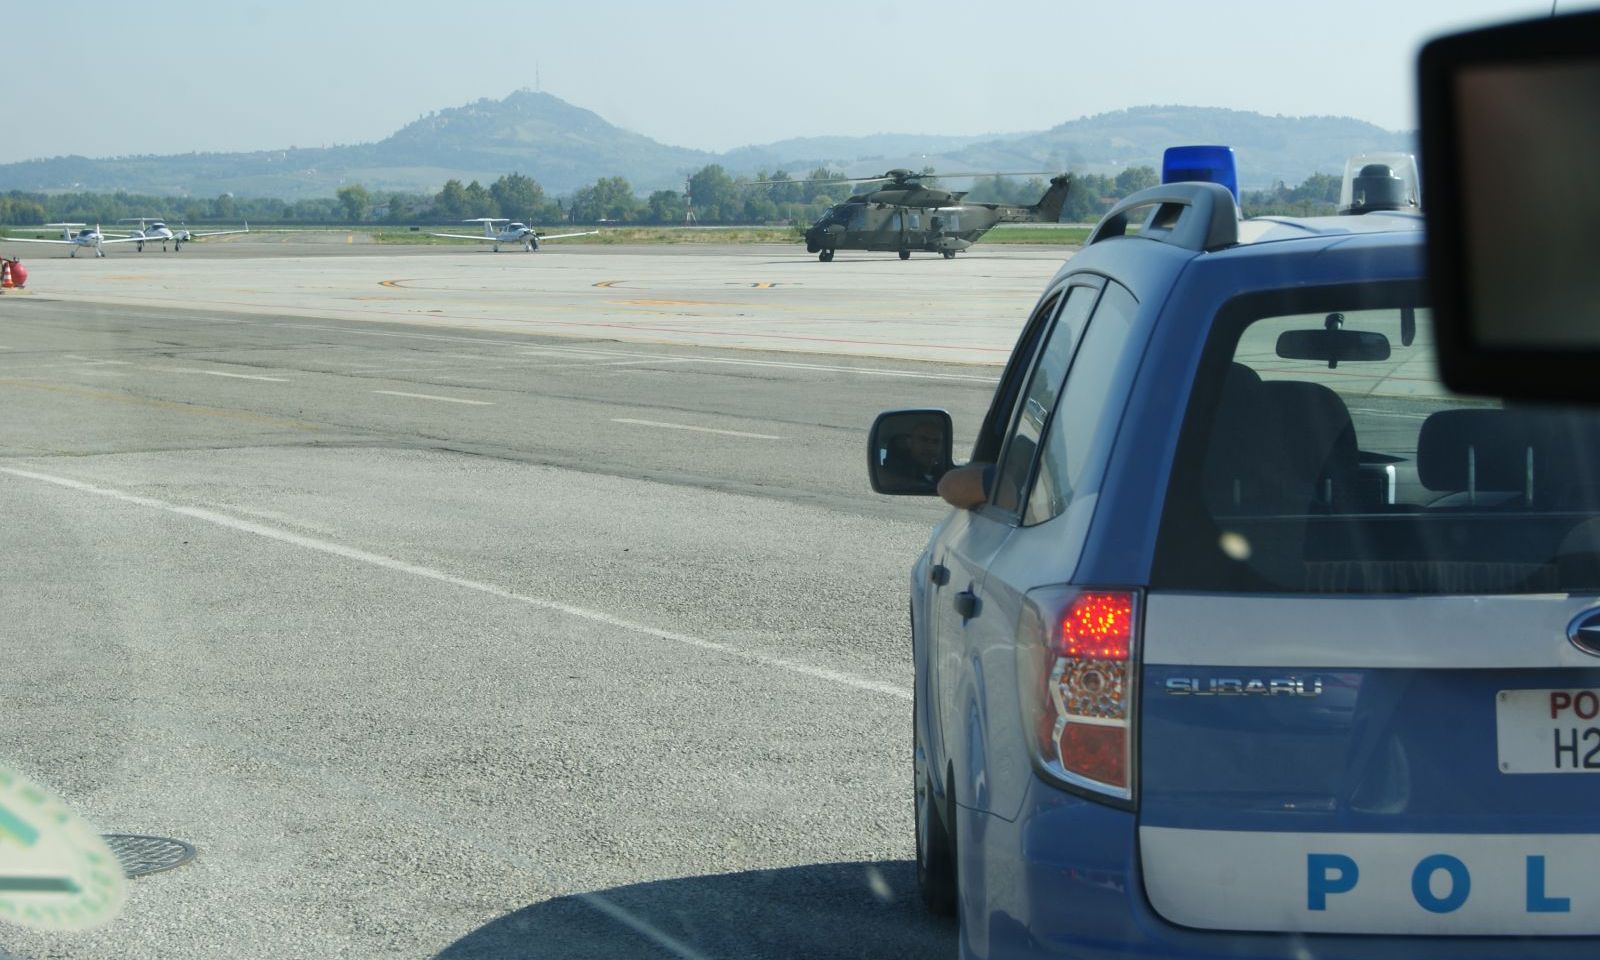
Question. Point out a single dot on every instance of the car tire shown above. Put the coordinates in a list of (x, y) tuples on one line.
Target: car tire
[(936, 853)]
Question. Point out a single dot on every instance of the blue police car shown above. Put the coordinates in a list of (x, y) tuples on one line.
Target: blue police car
[(1260, 643)]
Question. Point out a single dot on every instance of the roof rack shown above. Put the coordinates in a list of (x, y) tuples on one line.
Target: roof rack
[(1193, 215)]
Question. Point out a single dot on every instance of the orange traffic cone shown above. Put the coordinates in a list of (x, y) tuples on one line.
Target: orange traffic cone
[(5, 272)]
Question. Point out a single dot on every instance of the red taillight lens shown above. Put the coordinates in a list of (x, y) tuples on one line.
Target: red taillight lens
[(1082, 691), (1099, 753), (1098, 626)]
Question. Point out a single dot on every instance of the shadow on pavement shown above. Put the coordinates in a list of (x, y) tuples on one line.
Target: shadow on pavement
[(854, 910)]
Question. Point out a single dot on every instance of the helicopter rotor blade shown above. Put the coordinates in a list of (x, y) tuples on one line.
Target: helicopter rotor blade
[(913, 177), (1013, 173), (763, 183)]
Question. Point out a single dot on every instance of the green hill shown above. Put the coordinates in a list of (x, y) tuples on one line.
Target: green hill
[(566, 147)]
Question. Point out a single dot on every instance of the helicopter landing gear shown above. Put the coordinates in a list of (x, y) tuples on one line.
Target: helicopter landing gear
[(905, 254), (825, 256), (949, 254)]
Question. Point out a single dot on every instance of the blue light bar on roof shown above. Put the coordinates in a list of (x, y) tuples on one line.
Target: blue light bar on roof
[(1211, 164)]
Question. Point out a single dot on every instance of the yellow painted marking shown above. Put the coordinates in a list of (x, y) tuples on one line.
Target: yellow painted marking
[(608, 283), (350, 239), (394, 283), (676, 303)]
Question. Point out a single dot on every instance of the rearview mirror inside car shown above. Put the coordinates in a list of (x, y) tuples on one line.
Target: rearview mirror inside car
[(1510, 135), (908, 451), (1333, 345)]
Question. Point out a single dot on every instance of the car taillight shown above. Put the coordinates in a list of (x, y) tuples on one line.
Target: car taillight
[(1078, 681)]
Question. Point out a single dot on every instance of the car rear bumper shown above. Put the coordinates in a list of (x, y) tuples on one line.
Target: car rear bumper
[(1062, 880)]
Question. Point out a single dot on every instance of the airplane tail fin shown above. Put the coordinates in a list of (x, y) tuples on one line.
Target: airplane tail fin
[(1048, 209)]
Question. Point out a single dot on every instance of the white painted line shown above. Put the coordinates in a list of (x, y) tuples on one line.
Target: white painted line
[(319, 545), (219, 373), (825, 368), (242, 376), (1391, 414), (685, 426), (92, 361), (429, 396)]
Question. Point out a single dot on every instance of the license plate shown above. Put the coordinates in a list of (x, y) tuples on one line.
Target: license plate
[(1548, 731)]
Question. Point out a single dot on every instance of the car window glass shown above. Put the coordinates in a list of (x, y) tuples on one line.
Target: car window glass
[(993, 432), (1301, 475), (1085, 410), (1040, 398)]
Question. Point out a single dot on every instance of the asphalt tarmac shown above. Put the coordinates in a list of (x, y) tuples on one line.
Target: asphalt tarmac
[(495, 613)]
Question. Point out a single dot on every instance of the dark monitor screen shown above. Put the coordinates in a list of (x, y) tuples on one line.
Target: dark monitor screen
[(1511, 175)]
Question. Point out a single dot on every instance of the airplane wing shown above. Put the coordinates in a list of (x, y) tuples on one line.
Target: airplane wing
[(562, 236), (32, 240), (218, 233), (110, 238), (462, 236)]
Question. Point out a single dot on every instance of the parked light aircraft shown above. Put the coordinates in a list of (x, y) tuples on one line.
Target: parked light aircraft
[(85, 237), (153, 229), (512, 233)]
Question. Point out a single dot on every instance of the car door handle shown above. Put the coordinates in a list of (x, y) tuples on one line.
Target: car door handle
[(967, 604), (939, 575)]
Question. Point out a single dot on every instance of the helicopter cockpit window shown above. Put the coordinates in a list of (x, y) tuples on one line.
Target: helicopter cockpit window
[(915, 221)]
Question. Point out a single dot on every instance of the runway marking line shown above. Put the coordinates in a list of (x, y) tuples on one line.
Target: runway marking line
[(431, 396), (608, 284), (221, 373), (647, 302), (734, 361), (330, 548), (685, 426), (242, 376)]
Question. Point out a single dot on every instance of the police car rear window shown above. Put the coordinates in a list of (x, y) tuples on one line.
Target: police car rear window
[(1321, 454)]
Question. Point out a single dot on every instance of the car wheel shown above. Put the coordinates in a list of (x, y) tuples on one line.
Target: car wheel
[(936, 862)]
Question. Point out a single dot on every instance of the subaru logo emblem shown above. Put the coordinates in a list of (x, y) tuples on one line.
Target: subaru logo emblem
[(1584, 632)]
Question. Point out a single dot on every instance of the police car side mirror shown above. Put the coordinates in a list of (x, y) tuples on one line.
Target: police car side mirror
[(1510, 140), (908, 451)]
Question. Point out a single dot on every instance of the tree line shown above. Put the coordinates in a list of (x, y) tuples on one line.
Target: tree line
[(715, 195)]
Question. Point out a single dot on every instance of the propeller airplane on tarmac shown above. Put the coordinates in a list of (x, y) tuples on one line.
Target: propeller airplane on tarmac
[(93, 239), (511, 233), (153, 230)]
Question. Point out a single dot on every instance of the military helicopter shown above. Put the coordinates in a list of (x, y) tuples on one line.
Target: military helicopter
[(906, 214)]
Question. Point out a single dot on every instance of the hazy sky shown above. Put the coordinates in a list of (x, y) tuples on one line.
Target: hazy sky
[(169, 77)]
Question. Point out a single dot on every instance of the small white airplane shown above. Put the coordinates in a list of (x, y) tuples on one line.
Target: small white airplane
[(85, 237), (153, 229), (512, 233)]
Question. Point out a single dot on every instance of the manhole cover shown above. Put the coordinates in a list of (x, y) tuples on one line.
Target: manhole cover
[(142, 856)]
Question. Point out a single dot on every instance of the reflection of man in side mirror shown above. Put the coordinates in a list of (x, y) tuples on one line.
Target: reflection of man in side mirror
[(919, 454)]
